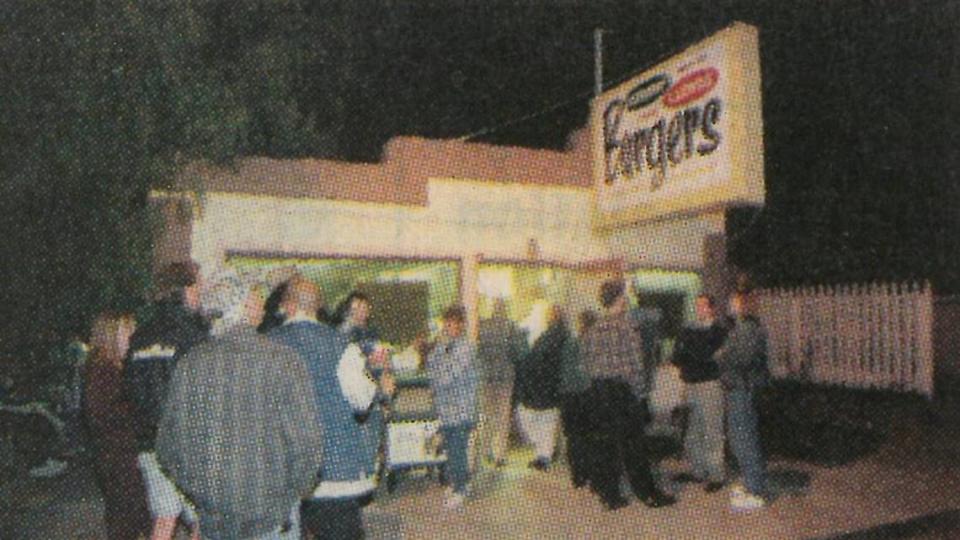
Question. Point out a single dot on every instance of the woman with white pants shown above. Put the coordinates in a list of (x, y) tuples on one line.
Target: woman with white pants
[(538, 380)]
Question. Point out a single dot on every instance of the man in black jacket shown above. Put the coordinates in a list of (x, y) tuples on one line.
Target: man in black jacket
[(173, 328), (537, 389), (693, 354)]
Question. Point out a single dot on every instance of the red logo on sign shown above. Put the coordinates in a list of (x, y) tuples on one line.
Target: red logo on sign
[(691, 87)]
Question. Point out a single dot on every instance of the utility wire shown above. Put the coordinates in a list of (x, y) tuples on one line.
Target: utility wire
[(606, 86), (549, 109), (524, 118)]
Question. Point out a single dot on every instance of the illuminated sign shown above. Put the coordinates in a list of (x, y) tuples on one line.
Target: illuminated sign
[(683, 137)]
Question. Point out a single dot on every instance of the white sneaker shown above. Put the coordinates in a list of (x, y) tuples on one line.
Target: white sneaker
[(454, 502), (742, 501), (50, 469)]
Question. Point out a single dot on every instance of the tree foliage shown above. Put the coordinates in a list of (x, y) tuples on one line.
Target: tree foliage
[(103, 101)]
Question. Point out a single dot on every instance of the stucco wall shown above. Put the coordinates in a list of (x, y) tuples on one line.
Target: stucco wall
[(462, 218), (428, 198), (667, 244)]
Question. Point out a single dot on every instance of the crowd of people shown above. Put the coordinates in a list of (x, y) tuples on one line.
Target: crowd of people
[(596, 384), (241, 412)]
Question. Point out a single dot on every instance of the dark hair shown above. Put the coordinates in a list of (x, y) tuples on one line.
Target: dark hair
[(271, 308), (747, 300), (343, 308), (173, 279), (743, 295), (587, 319), (178, 275), (610, 291), (455, 313)]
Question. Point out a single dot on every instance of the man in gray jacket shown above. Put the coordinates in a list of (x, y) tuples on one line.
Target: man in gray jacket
[(240, 436), (744, 371), (500, 346)]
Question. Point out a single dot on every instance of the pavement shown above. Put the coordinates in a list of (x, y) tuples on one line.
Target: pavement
[(907, 486)]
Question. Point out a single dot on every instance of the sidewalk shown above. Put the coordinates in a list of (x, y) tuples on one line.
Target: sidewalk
[(909, 487)]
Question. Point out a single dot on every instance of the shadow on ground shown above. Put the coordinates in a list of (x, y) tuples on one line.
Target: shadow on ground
[(789, 482), (944, 524), (829, 426)]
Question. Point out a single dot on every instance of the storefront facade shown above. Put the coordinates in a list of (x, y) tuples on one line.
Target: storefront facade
[(518, 223)]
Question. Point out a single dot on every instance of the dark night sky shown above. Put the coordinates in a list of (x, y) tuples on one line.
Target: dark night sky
[(447, 69), (860, 101)]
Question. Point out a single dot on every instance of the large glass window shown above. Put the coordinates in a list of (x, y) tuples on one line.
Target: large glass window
[(407, 296), (522, 285)]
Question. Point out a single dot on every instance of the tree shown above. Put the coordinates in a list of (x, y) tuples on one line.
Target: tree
[(104, 101)]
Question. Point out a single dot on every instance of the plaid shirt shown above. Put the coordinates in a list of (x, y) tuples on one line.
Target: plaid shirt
[(613, 349)]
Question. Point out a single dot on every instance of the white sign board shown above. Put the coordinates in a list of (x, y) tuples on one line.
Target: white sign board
[(683, 137), (410, 443)]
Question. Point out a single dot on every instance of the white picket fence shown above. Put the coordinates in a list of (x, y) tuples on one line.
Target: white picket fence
[(860, 336)]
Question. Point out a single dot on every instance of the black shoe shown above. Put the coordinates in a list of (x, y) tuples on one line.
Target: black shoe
[(657, 499), (539, 464), (713, 487), (686, 478), (365, 500), (612, 505)]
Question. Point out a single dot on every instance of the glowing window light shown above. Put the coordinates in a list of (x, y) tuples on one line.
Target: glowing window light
[(495, 282)]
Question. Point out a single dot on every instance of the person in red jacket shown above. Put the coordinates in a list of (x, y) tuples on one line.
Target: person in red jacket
[(110, 420)]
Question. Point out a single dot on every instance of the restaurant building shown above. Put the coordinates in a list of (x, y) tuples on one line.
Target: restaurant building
[(641, 193)]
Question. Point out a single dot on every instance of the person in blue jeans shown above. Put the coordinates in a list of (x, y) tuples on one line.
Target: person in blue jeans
[(454, 380), (743, 370), (352, 319), (334, 510)]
